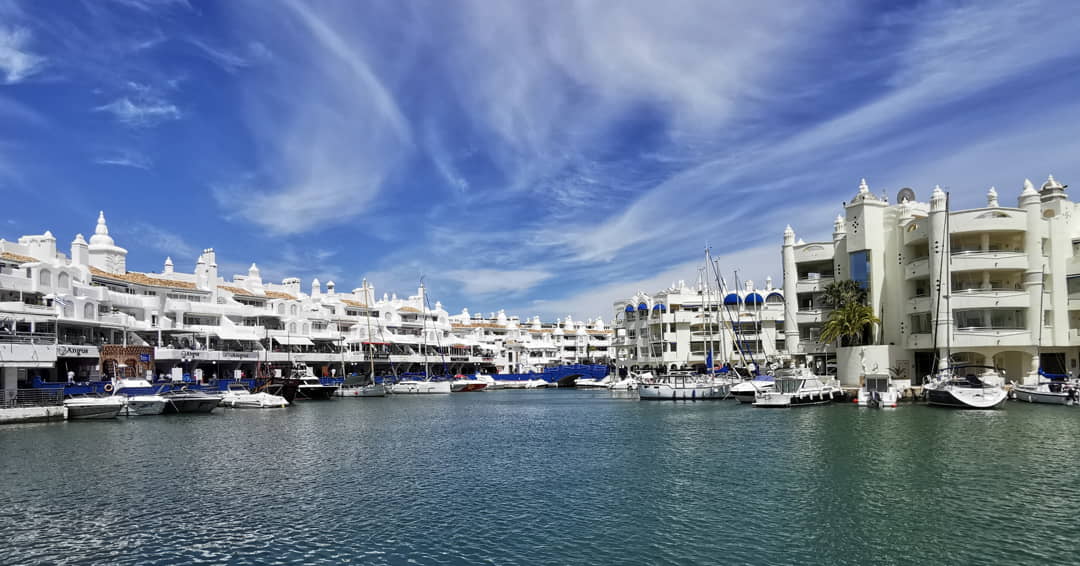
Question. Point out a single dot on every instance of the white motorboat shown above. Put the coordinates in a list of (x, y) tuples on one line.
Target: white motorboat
[(462, 384), (798, 387), (237, 396), (746, 391), (1056, 390), (421, 387), (190, 401), (93, 407), (593, 383), (680, 386), (536, 384), (492, 385), (139, 397), (966, 387), (878, 391)]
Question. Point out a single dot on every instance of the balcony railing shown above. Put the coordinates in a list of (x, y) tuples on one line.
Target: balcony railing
[(12, 399)]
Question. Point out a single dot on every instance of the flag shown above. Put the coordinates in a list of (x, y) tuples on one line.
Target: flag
[(708, 359), (62, 301)]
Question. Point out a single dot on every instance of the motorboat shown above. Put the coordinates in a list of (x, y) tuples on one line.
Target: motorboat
[(878, 391), (1056, 390), (593, 383), (420, 387), (680, 385), (966, 387), (798, 387), (461, 384), (186, 400), (312, 389), (492, 385), (87, 407), (140, 397), (536, 384), (237, 396), (746, 391)]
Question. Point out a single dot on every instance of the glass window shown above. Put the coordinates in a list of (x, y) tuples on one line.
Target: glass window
[(860, 268)]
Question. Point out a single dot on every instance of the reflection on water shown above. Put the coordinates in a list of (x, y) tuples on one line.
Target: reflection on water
[(545, 477)]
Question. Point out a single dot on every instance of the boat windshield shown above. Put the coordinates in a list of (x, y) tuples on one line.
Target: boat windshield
[(879, 383), (789, 385)]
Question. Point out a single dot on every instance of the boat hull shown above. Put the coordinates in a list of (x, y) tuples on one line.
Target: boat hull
[(966, 398), (467, 387), (87, 411), (316, 392), (203, 405), (143, 405), (774, 400), (421, 388), (376, 390), (1046, 397), (668, 392)]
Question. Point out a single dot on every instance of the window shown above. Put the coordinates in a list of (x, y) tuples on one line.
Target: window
[(860, 268), (88, 311), (45, 278), (64, 281)]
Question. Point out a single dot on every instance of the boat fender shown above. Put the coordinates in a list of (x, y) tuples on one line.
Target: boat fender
[(108, 387)]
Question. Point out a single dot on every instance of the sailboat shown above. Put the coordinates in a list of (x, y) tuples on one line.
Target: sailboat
[(959, 386), (426, 385), (364, 386)]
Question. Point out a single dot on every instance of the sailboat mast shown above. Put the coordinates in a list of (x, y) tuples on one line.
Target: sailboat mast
[(710, 360), (371, 353)]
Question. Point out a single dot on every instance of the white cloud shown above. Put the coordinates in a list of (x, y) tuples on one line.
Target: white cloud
[(488, 281), (160, 239), (125, 158), (16, 62), (146, 112)]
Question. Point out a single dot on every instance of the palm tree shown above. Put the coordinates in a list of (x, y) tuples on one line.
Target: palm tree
[(848, 323), (841, 293)]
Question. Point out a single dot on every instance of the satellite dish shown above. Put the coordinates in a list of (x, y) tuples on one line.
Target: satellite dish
[(905, 194)]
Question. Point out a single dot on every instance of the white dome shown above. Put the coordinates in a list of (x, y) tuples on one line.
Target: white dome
[(101, 233)]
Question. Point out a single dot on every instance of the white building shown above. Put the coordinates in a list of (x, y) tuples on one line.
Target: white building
[(85, 315), (995, 285), (673, 328)]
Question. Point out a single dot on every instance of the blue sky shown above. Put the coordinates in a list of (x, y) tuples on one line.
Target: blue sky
[(546, 158)]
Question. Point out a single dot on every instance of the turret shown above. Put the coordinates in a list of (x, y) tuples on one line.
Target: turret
[(168, 268), (104, 253), (992, 198), (330, 287), (940, 279), (80, 253), (316, 288), (791, 305)]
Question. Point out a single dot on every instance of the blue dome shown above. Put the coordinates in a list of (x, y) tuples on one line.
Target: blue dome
[(754, 299), (642, 307), (659, 307), (732, 299), (629, 308)]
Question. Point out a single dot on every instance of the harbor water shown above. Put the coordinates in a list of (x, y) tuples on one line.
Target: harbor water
[(546, 477)]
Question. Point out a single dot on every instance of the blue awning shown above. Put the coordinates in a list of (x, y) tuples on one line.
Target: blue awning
[(659, 307), (732, 299), (629, 308), (642, 307), (754, 299), (774, 294)]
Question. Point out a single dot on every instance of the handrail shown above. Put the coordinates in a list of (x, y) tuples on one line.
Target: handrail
[(974, 290), (10, 399), (988, 252)]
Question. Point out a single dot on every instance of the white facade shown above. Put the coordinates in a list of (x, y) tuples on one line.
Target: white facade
[(56, 310), (996, 285), (673, 328)]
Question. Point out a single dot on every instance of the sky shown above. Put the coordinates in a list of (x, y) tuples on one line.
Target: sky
[(547, 158)]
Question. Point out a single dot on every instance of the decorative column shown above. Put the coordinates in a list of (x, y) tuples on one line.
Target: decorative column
[(940, 278), (791, 295), (1033, 276)]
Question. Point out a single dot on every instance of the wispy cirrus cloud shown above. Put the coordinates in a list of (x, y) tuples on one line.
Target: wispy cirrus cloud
[(144, 112), (17, 62), (125, 158), (504, 282)]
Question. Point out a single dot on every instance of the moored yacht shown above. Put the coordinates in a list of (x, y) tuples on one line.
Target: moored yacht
[(462, 384), (421, 387), (1056, 390), (966, 387), (238, 396), (86, 407), (189, 401), (140, 397), (312, 389), (878, 391), (747, 390), (798, 387), (680, 385)]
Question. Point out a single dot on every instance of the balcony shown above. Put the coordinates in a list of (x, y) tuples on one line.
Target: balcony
[(812, 285), (919, 304), (977, 298), (918, 268), (810, 316), (975, 337), (981, 261)]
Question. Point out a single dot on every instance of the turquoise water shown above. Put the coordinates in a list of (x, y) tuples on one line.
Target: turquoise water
[(546, 477)]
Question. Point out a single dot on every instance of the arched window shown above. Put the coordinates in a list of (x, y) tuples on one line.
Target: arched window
[(64, 281), (88, 311), (293, 310), (307, 328), (292, 327), (45, 278), (69, 310), (281, 308)]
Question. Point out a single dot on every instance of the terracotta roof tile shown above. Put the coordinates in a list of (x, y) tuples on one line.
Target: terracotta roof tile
[(17, 257), (143, 279), (408, 309), (237, 290), (279, 295), (353, 303)]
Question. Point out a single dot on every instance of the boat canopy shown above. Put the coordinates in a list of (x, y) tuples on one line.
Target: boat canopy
[(732, 299)]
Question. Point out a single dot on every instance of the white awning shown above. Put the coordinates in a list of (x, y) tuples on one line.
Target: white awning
[(293, 341), (236, 333)]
